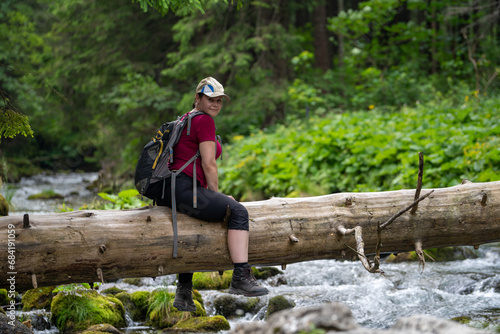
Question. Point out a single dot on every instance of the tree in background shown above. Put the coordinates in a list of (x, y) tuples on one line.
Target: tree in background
[(125, 71)]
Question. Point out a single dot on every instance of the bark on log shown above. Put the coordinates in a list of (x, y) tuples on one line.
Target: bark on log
[(94, 245)]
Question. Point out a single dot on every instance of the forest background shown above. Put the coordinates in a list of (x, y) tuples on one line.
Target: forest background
[(326, 96)]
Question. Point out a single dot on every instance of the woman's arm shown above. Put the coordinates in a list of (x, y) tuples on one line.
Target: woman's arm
[(207, 152)]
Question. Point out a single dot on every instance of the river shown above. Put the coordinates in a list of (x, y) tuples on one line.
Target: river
[(469, 287)]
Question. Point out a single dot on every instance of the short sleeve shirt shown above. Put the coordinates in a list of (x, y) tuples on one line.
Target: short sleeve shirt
[(202, 129)]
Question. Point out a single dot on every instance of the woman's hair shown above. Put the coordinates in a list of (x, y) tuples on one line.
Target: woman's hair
[(194, 102)]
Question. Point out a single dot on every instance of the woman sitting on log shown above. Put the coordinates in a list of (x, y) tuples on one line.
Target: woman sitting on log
[(212, 205)]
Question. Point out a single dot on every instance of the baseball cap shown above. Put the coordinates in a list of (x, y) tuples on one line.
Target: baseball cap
[(211, 87)]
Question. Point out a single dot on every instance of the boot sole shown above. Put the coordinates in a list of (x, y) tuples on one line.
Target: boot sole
[(246, 293)]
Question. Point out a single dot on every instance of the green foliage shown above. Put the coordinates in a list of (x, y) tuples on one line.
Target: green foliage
[(126, 199), (125, 72), (368, 151), (13, 123), (177, 6), (160, 301)]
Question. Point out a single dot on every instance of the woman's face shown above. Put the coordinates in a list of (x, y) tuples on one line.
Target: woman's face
[(210, 105)]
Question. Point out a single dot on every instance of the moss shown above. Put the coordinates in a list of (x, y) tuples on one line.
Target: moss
[(101, 329), (46, 194), (162, 313), (137, 281), (136, 304), (197, 297), (204, 324), (212, 280), (438, 254), (230, 306), (463, 320), (4, 297), (490, 321), (4, 206), (278, 303), (112, 291), (39, 298), (80, 309), (266, 272)]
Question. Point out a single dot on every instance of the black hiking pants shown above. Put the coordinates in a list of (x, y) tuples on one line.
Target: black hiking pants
[(212, 206)]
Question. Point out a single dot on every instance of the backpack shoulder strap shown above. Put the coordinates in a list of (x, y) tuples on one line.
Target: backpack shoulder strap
[(190, 116)]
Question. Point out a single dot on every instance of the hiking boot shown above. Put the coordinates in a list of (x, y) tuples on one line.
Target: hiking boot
[(184, 297), (244, 283)]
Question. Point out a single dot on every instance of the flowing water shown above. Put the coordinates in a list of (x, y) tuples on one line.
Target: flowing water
[(469, 287), (71, 186)]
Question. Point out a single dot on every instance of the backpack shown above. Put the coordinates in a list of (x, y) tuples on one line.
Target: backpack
[(152, 166)]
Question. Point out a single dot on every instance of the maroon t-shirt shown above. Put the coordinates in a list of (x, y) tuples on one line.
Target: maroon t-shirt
[(202, 129)]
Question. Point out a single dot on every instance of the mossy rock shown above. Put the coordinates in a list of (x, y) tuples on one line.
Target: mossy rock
[(4, 297), (135, 303), (438, 254), (212, 280), (137, 281), (162, 313), (4, 207), (112, 291), (101, 329), (39, 298), (204, 324), (81, 309), (197, 297), (278, 303), (490, 322), (266, 272), (230, 306), (46, 194)]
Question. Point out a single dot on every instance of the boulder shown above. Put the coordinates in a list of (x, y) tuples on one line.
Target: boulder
[(4, 206), (135, 303), (231, 306), (203, 324), (278, 303), (100, 329), (77, 310), (12, 326), (337, 317), (39, 298), (162, 313)]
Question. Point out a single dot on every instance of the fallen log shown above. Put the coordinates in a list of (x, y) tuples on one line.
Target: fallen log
[(96, 245)]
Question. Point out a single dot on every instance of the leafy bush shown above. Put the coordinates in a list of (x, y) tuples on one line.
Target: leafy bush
[(368, 151), (126, 199)]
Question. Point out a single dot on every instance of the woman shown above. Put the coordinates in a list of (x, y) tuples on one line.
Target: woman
[(212, 205)]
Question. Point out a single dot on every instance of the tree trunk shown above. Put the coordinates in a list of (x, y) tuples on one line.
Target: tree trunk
[(323, 60), (94, 245)]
